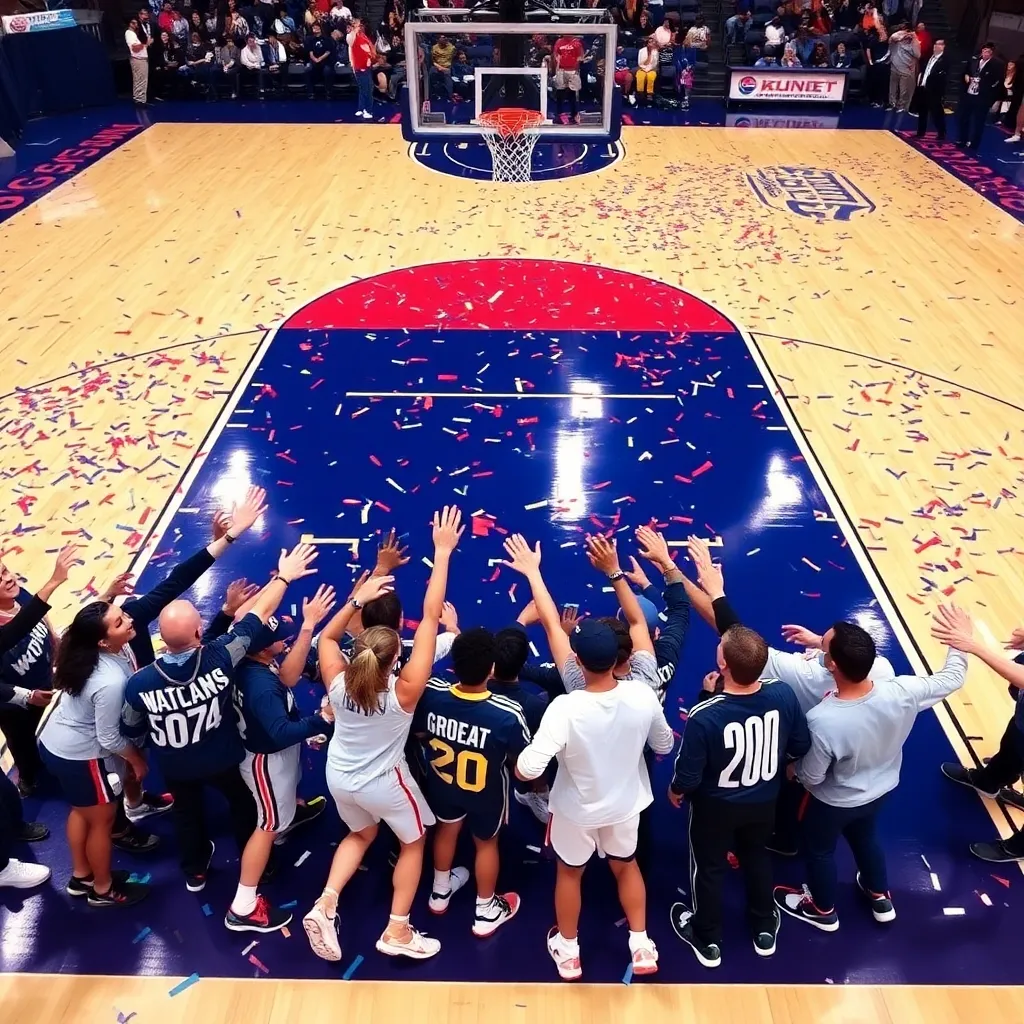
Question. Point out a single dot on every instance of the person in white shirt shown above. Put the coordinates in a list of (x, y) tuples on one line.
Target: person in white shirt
[(774, 37), (367, 773), (339, 14), (647, 71), (598, 736), (138, 53), (252, 62)]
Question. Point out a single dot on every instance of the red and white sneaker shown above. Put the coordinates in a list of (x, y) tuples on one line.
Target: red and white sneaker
[(264, 918), (799, 903), (417, 946), (568, 964), (502, 908), (438, 902), (645, 959)]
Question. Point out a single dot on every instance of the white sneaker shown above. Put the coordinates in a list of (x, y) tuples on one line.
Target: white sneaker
[(151, 803), (365, 114), (322, 932), (568, 964), (20, 874), (645, 959), (1012, 138), (502, 908), (537, 803), (457, 878), (419, 947), (632, 99)]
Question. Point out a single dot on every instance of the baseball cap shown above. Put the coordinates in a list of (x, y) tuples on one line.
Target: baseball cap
[(650, 612), (275, 629), (595, 645)]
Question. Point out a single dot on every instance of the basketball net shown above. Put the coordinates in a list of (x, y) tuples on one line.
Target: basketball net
[(510, 134)]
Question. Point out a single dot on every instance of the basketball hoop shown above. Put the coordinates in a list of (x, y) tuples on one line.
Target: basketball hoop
[(510, 134)]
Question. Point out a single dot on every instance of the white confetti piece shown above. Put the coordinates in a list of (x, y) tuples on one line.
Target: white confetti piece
[(935, 882), (924, 860), (302, 860), (248, 949), (954, 911), (536, 504), (984, 897), (533, 849)]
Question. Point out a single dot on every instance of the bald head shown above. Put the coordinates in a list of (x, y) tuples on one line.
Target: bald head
[(181, 626)]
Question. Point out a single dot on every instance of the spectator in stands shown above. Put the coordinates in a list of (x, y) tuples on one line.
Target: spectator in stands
[(277, 61), (840, 58), (803, 46), (138, 58), (683, 78), (623, 76), (312, 14), (195, 24), (790, 58), (876, 54), (845, 17), (361, 56), (699, 36), (983, 79), (819, 56), (567, 53), (664, 34), (165, 20), (1005, 98), (319, 60), (817, 23), (252, 62), (146, 30), (924, 39), (170, 57), (226, 65), (284, 25), (872, 18), (647, 71), (397, 59), (180, 29), (237, 27), (1012, 119), (339, 15), (736, 27), (627, 14), (462, 75), (774, 37), (442, 54), (212, 24), (767, 60), (198, 66), (904, 51)]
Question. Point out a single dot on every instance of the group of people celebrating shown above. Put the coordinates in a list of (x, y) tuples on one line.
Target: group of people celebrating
[(770, 731)]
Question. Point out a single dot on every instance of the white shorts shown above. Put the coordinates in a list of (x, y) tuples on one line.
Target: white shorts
[(393, 798), (273, 780), (576, 844), (568, 80)]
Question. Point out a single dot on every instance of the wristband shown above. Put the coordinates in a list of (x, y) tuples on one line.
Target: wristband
[(617, 575), (356, 604), (229, 538), (281, 579)]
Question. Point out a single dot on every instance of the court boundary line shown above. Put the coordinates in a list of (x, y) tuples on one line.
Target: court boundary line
[(915, 655)]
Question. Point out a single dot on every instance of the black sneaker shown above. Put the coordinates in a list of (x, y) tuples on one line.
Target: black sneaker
[(134, 840), (881, 903), (709, 954), (764, 942), (783, 847), (264, 918), (1012, 797), (995, 853), (197, 882), (33, 832), (965, 776), (120, 894), (798, 903), (304, 814), (83, 886), (26, 788)]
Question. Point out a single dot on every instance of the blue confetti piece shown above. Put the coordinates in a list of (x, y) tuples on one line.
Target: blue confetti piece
[(628, 976), (288, 906), (352, 968), (206, 910), (144, 880), (182, 985), (138, 938)]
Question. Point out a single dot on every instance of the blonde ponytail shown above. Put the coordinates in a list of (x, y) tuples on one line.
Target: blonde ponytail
[(367, 674)]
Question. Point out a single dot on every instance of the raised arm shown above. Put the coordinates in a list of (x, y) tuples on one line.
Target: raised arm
[(669, 644), (605, 558), (412, 681), (526, 560), (34, 611), (328, 647), (314, 610)]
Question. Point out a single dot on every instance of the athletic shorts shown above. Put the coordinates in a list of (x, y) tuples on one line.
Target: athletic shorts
[(394, 798), (484, 817), (568, 80), (84, 783), (576, 844), (273, 780)]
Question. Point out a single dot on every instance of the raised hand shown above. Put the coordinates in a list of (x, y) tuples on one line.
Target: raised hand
[(709, 575), (636, 575), (602, 554), (66, 558), (447, 529), (524, 559), (1016, 641), (801, 636), (316, 608), (294, 564), (244, 515), (119, 585), (653, 547), (952, 626), (570, 616), (363, 577), (450, 618), (238, 592), (390, 555), (373, 587), (221, 524)]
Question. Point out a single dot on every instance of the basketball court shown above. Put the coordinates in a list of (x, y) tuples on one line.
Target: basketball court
[(798, 344)]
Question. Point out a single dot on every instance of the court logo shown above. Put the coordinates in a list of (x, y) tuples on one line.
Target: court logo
[(809, 192), (747, 85)]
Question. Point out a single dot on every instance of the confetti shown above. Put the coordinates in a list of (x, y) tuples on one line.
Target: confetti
[(182, 985), (352, 968)]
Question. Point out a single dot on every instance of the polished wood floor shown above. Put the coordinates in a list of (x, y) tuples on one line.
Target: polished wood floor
[(895, 338)]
